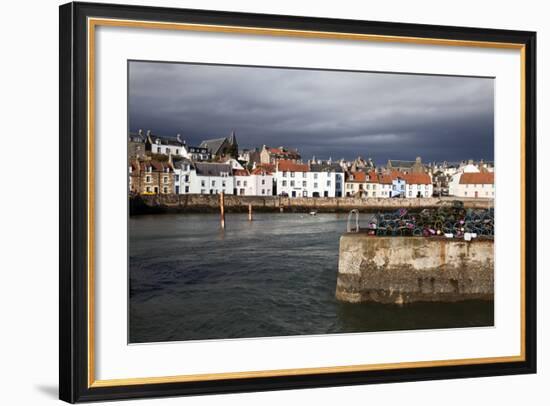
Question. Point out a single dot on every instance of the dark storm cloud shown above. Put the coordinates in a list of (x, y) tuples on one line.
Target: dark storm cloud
[(322, 113)]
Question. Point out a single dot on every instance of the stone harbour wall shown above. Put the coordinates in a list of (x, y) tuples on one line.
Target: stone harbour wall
[(210, 203), (411, 269)]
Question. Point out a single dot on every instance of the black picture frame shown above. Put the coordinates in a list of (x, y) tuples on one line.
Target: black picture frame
[(74, 200)]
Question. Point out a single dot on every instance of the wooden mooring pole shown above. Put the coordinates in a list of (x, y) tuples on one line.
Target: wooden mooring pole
[(250, 212), (222, 210)]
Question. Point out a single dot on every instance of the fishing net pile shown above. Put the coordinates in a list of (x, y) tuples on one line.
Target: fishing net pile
[(450, 222)]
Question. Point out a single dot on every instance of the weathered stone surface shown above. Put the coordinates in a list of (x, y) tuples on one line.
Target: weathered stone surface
[(233, 203), (409, 269)]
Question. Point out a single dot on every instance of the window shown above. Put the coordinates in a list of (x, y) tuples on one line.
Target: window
[(284, 182), (368, 186), (167, 151), (263, 191), (315, 185), (303, 174), (203, 191), (223, 183), (165, 179), (315, 175), (328, 182), (244, 183), (263, 181), (410, 193), (213, 183), (284, 174), (148, 179), (304, 183), (165, 189), (373, 194), (148, 189), (292, 183), (291, 174), (203, 183), (238, 183), (149, 169), (186, 189), (177, 178), (187, 178)]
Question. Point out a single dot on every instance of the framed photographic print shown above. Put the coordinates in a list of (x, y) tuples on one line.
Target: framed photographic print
[(256, 202)]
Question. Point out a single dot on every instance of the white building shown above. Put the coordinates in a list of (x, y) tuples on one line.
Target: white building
[(291, 178), (211, 178), (196, 153), (242, 182), (455, 178), (385, 185), (262, 182), (165, 145), (183, 172), (418, 185), (323, 180), (476, 185)]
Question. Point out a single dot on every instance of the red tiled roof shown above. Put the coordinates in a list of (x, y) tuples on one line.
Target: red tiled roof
[(289, 166), (282, 151), (266, 167), (385, 179), (481, 178), (372, 177), (261, 171), (240, 172), (360, 177), (417, 178)]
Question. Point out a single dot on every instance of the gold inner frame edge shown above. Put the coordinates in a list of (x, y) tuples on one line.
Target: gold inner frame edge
[(94, 22)]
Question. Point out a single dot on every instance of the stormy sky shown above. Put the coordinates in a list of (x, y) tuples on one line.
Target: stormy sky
[(334, 114)]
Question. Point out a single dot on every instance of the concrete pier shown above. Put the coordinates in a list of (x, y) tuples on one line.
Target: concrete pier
[(411, 269)]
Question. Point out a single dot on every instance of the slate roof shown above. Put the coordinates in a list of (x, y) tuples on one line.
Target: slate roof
[(165, 140), (213, 145), (325, 167), (177, 162), (211, 169), (401, 164)]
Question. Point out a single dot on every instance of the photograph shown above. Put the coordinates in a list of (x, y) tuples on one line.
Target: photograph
[(272, 201)]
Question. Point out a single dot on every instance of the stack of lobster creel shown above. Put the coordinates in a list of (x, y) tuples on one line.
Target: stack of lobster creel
[(450, 222)]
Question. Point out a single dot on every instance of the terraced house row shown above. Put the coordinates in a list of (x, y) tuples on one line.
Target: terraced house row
[(168, 165)]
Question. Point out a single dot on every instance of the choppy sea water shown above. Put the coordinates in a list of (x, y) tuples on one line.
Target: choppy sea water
[(274, 276)]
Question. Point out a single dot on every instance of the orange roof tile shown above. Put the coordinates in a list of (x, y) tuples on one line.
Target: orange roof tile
[(289, 166), (240, 172), (480, 178), (261, 171), (360, 177), (417, 178)]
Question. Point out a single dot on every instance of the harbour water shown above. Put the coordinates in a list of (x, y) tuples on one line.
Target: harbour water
[(274, 276)]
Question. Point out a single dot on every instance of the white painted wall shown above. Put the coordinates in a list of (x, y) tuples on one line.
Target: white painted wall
[(482, 190), (262, 184), (244, 185), (412, 190)]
